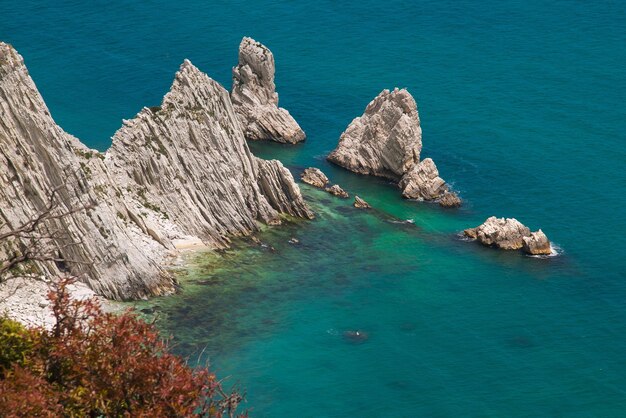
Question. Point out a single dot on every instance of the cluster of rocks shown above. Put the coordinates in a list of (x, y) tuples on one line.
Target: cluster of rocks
[(181, 170), (510, 234), (316, 178), (386, 141)]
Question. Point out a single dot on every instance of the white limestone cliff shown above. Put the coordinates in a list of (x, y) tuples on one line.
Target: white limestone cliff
[(179, 171)]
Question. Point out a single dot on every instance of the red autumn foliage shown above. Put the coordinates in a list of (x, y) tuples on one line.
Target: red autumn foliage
[(94, 363)]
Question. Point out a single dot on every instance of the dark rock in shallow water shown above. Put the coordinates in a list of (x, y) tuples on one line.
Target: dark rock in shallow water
[(356, 336), (337, 191)]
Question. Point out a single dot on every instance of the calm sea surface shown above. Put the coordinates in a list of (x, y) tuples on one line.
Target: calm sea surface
[(522, 108)]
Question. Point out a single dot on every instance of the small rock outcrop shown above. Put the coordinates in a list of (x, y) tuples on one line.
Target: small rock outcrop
[(337, 191), (506, 234), (423, 182), (537, 244), (175, 172), (450, 200), (360, 203), (386, 141), (315, 177), (255, 99), (509, 234)]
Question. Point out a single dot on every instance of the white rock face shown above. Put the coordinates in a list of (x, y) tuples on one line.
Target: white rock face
[(255, 99), (179, 171), (507, 234), (386, 141), (187, 162), (37, 156)]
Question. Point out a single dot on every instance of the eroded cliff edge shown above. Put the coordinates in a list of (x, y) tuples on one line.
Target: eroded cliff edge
[(176, 171)]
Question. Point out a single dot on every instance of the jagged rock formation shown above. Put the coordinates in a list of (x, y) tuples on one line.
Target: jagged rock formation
[(360, 203), (255, 99), (386, 141), (336, 190), (315, 177), (509, 234), (188, 162), (182, 170), (537, 244)]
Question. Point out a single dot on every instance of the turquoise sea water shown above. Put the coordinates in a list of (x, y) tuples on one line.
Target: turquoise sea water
[(522, 108)]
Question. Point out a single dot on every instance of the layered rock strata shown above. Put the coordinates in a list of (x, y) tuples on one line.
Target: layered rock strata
[(386, 141), (175, 172), (509, 234), (255, 99)]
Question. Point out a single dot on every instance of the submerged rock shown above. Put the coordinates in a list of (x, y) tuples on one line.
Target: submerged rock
[(360, 203), (315, 177), (537, 244), (179, 170), (507, 234), (356, 336), (255, 99), (386, 141), (337, 191)]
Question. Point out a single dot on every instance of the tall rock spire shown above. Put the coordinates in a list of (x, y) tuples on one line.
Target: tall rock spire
[(255, 99)]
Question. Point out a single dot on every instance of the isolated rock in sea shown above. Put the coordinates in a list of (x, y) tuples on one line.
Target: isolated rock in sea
[(179, 170), (255, 99), (315, 177), (360, 203), (386, 141), (337, 191), (450, 200), (537, 244), (507, 234)]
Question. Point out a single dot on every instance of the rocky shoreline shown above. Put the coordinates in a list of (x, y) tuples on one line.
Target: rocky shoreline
[(180, 177), (178, 172)]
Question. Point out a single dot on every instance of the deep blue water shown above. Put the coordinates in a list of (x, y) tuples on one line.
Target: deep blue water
[(522, 108)]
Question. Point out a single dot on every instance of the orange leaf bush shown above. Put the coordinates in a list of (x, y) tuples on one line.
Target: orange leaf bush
[(93, 363)]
